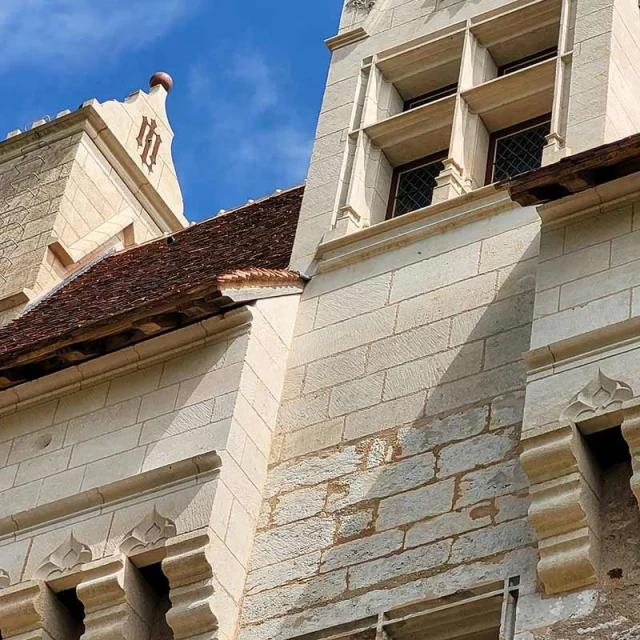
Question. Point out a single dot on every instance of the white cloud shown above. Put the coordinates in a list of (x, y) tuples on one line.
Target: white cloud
[(64, 33), (254, 126)]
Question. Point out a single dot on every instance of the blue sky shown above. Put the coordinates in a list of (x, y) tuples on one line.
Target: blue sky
[(249, 77)]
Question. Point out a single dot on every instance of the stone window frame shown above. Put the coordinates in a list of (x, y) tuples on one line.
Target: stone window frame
[(431, 96), (385, 135), (527, 61), (450, 610), (508, 132), (397, 173)]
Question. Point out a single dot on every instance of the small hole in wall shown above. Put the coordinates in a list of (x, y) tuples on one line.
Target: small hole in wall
[(44, 441)]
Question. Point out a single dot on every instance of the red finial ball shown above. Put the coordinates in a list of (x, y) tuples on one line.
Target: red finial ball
[(161, 78)]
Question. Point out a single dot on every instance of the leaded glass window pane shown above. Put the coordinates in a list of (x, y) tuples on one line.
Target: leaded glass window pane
[(415, 187), (520, 152)]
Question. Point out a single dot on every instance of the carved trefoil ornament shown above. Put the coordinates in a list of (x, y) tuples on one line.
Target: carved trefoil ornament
[(361, 5), (149, 141), (154, 530), (70, 555), (602, 394), (5, 579)]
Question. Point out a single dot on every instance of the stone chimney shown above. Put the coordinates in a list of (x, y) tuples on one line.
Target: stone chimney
[(85, 182)]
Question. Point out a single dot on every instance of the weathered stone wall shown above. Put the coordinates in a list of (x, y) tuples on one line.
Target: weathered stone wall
[(397, 477), (32, 182)]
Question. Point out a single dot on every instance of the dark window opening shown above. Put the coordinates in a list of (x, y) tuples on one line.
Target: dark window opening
[(159, 591), (413, 185), (619, 514), (432, 96), (528, 61), (75, 609), (608, 447), (518, 149)]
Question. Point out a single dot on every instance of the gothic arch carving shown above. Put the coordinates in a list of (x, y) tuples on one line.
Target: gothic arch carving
[(602, 394), (154, 530), (70, 555)]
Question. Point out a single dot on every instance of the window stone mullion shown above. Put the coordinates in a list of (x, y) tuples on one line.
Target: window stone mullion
[(117, 602), (190, 578), (32, 611)]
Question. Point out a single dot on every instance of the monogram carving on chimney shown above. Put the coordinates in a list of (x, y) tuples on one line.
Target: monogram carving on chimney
[(149, 140)]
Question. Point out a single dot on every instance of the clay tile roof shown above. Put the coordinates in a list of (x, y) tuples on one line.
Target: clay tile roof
[(249, 245)]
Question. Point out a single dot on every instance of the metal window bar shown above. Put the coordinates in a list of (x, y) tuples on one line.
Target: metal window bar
[(381, 627), (415, 186), (519, 152)]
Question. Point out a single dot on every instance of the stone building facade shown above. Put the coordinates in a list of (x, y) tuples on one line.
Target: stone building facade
[(398, 402)]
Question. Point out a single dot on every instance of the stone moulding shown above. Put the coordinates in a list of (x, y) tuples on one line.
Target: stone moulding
[(5, 579), (116, 601), (601, 395), (153, 531), (190, 578), (32, 611), (70, 555), (564, 508)]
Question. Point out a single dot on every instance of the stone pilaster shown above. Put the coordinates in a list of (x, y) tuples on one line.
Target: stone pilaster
[(631, 433), (564, 508), (32, 612), (191, 581), (118, 603)]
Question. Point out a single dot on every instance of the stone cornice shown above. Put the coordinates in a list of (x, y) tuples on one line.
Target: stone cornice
[(346, 38), (129, 359), (396, 232), (202, 466), (623, 334)]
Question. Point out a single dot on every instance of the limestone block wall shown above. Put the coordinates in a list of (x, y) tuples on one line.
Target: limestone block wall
[(95, 195), (396, 476), (33, 179), (587, 284), (183, 440), (606, 56)]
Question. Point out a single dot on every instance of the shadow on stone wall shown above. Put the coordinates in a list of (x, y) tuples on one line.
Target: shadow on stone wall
[(412, 511)]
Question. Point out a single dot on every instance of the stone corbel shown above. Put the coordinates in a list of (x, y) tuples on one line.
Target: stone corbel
[(190, 578), (117, 601), (631, 433), (32, 612), (564, 508)]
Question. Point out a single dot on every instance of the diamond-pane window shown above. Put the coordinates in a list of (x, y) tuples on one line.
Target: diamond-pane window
[(415, 187), (519, 152)]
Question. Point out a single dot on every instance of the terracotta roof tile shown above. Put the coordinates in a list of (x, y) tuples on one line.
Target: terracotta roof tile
[(229, 247)]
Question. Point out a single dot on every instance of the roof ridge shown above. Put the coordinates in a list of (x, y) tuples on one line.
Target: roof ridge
[(250, 203)]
